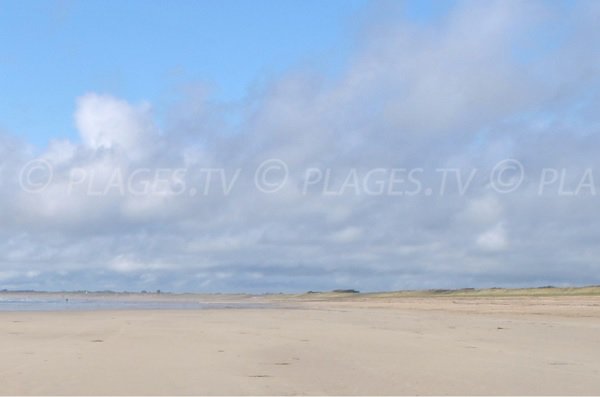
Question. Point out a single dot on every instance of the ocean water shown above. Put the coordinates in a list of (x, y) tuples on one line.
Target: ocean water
[(61, 303)]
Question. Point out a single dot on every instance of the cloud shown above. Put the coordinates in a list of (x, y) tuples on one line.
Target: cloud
[(494, 239), (105, 122), (138, 204)]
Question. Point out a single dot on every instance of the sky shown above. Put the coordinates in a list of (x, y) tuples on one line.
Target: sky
[(148, 50), (285, 146)]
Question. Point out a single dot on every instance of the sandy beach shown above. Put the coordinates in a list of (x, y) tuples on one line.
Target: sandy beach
[(315, 345)]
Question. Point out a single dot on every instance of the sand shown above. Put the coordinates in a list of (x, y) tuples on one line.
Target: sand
[(315, 345)]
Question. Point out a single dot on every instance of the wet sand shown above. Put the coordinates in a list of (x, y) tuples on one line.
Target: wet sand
[(316, 345)]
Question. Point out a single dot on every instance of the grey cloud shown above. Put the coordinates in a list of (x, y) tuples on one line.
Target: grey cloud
[(476, 88)]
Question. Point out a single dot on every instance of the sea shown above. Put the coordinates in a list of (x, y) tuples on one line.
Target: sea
[(88, 302)]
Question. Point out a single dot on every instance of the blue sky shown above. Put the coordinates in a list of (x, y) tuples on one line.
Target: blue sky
[(51, 52)]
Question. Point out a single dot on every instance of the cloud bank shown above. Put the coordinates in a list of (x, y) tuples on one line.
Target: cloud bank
[(391, 178)]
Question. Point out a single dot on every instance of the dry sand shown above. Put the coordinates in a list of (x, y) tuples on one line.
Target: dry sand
[(315, 345)]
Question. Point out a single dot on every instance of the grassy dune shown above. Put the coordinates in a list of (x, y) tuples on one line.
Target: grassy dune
[(466, 292)]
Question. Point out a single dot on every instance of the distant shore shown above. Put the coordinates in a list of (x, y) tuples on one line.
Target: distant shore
[(591, 290)]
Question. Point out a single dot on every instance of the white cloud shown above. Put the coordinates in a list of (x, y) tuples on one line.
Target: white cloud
[(347, 235), (107, 122), (494, 239), (483, 210)]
